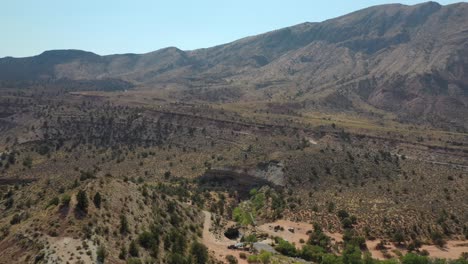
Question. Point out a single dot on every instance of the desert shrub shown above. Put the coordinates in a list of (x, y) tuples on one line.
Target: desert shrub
[(352, 255), (318, 238), (82, 201), (27, 162), (176, 258), (242, 255), (134, 261), (84, 175), (101, 254), (123, 225), (438, 239), (54, 202), (312, 253), (199, 253), (398, 237), (66, 200), (342, 214), (123, 253), (146, 240), (231, 259), (241, 216), (286, 248), (9, 203), (347, 223), (97, 200), (264, 257), (252, 259), (411, 258), (249, 239), (331, 259), (133, 249), (16, 219)]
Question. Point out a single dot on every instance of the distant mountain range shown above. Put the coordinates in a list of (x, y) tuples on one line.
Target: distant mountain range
[(410, 61)]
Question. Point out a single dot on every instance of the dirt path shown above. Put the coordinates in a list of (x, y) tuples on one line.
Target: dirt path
[(218, 246)]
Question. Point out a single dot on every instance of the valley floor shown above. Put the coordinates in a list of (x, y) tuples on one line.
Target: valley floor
[(452, 250)]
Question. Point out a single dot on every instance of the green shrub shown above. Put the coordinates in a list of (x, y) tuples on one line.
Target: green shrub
[(54, 202), (66, 200), (342, 214), (97, 200), (286, 248), (264, 257), (134, 261), (146, 240), (133, 249), (352, 255), (82, 201), (123, 225), (231, 259), (123, 253), (312, 253), (411, 258), (101, 254), (199, 253)]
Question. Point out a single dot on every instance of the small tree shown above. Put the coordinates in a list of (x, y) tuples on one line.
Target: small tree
[(411, 258), (66, 200), (265, 257), (342, 214), (54, 202), (133, 249), (82, 201), (97, 200), (398, 237), (352, 255), (123, 225), (199, 253), (438, 239), (101, 254), (146, 240), (231, 259), (123, 253)]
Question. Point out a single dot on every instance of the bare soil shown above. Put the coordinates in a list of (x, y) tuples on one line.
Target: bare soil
[(218, 246)]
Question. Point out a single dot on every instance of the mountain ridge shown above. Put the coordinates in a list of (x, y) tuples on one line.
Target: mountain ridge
[(382, 57)]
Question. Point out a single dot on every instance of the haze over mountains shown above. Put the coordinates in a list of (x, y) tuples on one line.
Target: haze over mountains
[(407, 61), (338, 142)]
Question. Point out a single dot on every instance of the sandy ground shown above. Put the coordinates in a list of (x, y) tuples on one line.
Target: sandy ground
[(63, 249), (218, 246), (453, 250), (300, 230)]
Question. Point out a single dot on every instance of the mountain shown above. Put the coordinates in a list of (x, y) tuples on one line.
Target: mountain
[(409, 61), (323, 142)]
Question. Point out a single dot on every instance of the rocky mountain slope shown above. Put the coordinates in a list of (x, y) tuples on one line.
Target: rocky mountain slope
[(411, 61)]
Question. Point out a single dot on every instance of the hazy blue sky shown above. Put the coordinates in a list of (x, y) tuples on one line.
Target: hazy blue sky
[(28, 27)]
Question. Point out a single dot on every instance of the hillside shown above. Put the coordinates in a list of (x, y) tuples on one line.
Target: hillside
[(344, 141), (410, 61)]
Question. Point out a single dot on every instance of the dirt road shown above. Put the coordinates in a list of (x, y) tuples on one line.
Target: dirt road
[(218, 246)]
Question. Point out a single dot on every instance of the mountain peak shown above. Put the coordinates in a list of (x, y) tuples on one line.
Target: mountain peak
[(67, 54)]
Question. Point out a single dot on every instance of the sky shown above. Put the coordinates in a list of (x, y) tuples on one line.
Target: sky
[(29, 27)]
